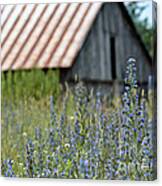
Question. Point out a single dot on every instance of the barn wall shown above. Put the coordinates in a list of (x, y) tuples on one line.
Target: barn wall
[(94, 59)]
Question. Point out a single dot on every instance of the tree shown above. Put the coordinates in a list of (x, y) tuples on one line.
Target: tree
[(145, 30)]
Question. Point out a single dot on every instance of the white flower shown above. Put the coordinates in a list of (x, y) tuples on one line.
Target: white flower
[(24, 134), (67, 145)]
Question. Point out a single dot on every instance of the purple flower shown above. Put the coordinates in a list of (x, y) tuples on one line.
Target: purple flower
[(86, 162), (9, 171)]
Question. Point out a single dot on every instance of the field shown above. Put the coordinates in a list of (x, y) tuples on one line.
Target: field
[(48, 132)]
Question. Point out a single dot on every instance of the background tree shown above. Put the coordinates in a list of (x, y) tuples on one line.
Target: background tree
[(145, 29)]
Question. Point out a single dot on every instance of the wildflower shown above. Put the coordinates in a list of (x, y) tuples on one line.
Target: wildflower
[(146, 174), (86, 163), (9, 171), (21, 164), (55, 170), (30, 159), (134, 129), (37, 133), (24, 134), (67, 145), (131, 115), (98, 102)]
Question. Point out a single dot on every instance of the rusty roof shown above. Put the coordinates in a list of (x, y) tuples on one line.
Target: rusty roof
[(44, 35)]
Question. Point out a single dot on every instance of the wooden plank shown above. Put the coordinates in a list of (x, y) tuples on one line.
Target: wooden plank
[(101, 45), (78, 66), (93, 53), (106, 44), (106, 17), (81, 64), (112, 18), (96, 67), (86, 67), (120, 61)]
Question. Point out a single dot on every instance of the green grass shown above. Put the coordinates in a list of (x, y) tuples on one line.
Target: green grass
[(93, 138)]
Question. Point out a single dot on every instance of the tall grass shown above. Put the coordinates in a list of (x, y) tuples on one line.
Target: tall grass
[(75, 136), (21, 85)]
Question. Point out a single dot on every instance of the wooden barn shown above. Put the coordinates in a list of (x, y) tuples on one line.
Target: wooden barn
[(89, 40)]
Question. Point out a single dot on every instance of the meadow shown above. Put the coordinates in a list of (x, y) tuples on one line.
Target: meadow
[(51, 133)]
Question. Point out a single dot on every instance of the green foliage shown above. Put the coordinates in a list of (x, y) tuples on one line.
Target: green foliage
[(145, 30), (35, 83), (73, 135)]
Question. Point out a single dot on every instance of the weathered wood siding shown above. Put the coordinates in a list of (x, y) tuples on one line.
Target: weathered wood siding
[(94, 60)]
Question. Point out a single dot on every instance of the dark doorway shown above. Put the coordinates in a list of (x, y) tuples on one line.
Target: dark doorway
[(113, 57)]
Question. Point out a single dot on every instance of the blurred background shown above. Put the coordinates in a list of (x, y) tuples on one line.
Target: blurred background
[(141, 13)]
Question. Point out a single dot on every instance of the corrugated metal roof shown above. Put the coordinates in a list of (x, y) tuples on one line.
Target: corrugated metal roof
[(44, 35)]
